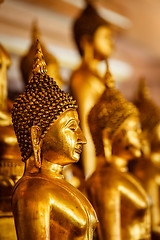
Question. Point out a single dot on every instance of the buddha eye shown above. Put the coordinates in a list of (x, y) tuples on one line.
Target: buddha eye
[(72, 127)]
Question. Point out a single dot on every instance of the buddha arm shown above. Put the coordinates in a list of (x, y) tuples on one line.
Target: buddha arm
[(107, 205), (134, 192), (31, 219), (44, 216), (153, 191)]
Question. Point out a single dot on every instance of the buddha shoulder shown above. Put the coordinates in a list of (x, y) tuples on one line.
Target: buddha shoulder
[(57, 195), (109, 177), (106, 176), (83, 75), (145, 170)]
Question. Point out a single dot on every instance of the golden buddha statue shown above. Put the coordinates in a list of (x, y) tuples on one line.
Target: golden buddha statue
[(5, 62), (46, 123), (120, 201), (27, 60), (11, 168), (93, 38), (9, 151), (147, 169)]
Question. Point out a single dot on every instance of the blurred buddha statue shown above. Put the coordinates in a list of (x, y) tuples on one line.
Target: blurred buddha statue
[(5, 62), (120, 201), (147, 169), (11, 168), (27, 60), (93, 38), (46, 123)]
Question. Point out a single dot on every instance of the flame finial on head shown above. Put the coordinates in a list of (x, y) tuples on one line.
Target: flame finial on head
[(39, 65), (142, 89), (35, 31), (149, 111), (108, 79)]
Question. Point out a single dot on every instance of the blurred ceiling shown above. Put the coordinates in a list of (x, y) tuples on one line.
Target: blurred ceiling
[(55, 19), (137, 41)]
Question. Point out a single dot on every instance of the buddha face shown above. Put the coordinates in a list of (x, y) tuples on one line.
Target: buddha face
[(126, 140), (63, 142), (102, 43), (146, 148), (155, 139)]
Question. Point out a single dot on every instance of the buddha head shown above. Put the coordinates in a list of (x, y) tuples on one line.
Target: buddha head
[(149, 117), (114, 124), (45, 119), (92, 34), (27, 60)]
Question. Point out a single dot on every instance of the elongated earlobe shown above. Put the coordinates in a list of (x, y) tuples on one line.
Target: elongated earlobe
[(36, 143), (107, 144), (87, 48)]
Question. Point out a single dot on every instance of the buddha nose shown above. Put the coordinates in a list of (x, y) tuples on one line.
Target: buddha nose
[(81, 138)]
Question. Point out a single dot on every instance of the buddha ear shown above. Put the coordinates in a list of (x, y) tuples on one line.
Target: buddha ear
[(37, 144), (107, 143), (86, 45)]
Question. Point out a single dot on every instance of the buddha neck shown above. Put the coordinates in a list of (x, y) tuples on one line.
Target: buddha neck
[(119, 163), (48, 169), (52, 170), (93, 66)]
